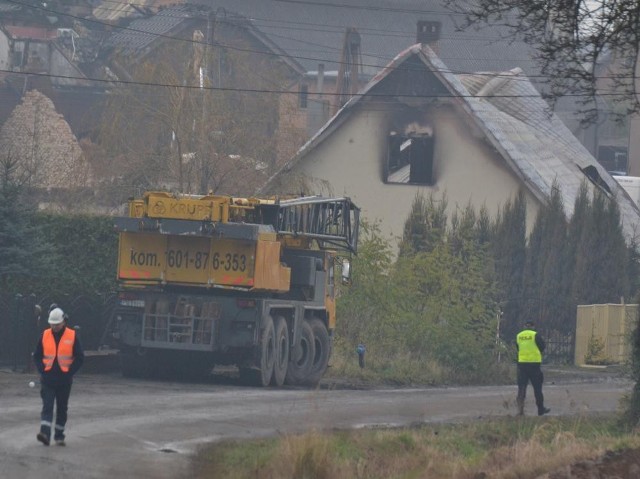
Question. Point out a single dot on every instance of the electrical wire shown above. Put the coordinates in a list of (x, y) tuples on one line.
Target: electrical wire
[(368, 7), (299, 25), (248, 50), (290, 92), (186, 40)]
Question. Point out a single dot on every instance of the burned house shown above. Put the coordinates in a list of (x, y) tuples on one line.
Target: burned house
[(418, 127)]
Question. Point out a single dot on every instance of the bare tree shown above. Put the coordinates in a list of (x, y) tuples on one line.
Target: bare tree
[(188, 126), (573, 40)]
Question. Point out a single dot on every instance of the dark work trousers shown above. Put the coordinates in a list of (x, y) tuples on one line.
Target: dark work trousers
[(530, 372), (60, 395)]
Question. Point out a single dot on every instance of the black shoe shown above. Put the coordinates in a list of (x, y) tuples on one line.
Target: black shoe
[(43, 438), (543, 411)]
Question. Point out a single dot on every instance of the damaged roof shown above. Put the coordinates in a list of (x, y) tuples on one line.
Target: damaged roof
[(516, 121)]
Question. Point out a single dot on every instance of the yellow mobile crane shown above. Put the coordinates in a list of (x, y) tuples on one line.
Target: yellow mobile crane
[(207, 280)]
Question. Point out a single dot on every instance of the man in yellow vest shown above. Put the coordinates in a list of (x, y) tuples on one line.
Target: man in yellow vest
[(58, 356), (530, 348)]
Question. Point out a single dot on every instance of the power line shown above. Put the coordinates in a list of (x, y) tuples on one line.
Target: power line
[(283, 92), (341, 5), (369, 7), (334, 28), (191, 41), (247, 50)]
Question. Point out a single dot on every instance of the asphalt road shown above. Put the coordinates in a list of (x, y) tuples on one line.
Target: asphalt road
[(141, 429)]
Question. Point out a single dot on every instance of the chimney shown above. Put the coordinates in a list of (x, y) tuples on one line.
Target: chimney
[(320, 79), (429, 33)]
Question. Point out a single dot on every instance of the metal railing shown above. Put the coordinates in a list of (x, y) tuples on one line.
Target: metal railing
[(178, 332)]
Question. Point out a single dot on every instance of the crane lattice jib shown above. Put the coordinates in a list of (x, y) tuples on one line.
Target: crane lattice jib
[(331, 222)]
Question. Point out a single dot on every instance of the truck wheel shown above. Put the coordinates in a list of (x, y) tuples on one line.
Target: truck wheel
[(282, 352), (267, 352), (322, 351), (301, 357)]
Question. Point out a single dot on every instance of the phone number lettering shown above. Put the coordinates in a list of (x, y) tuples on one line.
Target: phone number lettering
[(202, 260)]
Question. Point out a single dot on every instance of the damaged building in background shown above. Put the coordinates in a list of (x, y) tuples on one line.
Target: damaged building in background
[(419, 128)]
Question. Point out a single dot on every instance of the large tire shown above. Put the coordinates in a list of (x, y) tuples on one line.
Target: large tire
[(322, 351), (267, 352), (281, 362), (301, 357)]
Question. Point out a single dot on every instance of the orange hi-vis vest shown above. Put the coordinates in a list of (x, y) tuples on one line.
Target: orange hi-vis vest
[(64, 350)]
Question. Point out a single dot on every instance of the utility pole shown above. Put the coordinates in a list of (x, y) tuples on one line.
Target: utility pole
[(204, 81)]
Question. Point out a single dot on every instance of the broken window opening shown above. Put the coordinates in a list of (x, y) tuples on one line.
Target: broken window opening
[(591, 172), (410, 159)]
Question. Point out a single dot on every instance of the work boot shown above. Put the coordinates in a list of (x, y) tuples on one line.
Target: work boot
[(59, 439), (43, 438), (543, 411), (520, 403)]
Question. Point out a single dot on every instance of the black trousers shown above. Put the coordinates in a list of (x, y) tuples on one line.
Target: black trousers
[(58, 394), (530, 372)]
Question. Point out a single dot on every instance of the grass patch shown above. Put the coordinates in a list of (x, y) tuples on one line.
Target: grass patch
[(500, 448), (405, 369)]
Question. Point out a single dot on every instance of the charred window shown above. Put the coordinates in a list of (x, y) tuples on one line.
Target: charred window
[(410, 159)]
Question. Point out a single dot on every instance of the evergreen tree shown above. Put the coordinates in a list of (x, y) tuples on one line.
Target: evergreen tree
[(19, 245), (546, 285), (509, 252), (614, 276), (633, 267), (425, 226), (601, 264), (484, 226), (576, 259), (463, 231)]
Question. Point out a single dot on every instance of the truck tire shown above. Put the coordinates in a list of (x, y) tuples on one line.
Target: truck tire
[(301, 357), (267, 352), (322, 351), (281, 353)]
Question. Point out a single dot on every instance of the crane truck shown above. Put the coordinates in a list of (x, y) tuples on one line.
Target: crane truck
[(208, 280)]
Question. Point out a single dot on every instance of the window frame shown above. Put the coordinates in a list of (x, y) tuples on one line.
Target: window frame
[(415, 155)]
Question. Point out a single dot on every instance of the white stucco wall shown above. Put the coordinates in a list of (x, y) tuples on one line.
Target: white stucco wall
[(351, 161)]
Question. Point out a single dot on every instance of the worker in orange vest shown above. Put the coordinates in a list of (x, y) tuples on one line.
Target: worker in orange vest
[(58, 356)]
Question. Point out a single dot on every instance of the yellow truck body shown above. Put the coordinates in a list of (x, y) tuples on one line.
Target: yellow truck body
[(220, 280)]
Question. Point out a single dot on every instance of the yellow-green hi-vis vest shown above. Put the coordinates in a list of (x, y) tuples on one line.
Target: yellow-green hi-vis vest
[(528, 351)]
